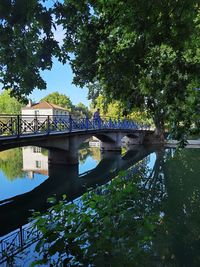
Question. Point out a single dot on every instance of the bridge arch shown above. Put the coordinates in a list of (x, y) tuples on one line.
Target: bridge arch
[(65, 145)]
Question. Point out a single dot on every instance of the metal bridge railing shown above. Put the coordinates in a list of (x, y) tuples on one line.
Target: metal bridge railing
[(17, 241), (20, 125)]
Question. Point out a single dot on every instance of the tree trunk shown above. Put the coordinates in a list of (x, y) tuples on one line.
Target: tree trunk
[(159, 131)]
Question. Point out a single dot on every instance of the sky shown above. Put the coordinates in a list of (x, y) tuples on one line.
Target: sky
[(60, 77)]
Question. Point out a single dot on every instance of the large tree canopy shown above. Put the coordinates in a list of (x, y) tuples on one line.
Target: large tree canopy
[(26, 45), (143, 53)]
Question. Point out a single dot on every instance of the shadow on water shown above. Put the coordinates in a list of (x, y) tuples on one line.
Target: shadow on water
[(65, 179), (152, 220)]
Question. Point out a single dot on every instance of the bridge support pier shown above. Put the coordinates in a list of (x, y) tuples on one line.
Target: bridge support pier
[(134, 140), (63, 156), (111, 144), (106, 146)]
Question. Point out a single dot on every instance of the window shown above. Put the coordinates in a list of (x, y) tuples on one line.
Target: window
[(37, 149), (38, 164)]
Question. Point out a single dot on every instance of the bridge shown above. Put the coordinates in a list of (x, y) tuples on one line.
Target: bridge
[(63, 133)]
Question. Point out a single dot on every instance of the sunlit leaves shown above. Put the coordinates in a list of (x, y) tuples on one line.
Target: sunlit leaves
[(144, 54), (141, 53)]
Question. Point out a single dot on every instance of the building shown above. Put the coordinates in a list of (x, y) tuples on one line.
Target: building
[(43, 109), (34, 161), (94, 142), (35, 117)]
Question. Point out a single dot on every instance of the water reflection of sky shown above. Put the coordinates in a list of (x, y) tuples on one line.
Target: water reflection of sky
[(89, 164), (18, 186), (151, 160)]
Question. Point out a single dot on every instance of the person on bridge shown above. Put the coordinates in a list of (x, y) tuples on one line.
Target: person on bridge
[(96, 117)]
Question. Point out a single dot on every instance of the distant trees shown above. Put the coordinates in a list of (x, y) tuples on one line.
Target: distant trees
[(8, 104), (64, 101), (82, 109), (59, 99), (11, 163)]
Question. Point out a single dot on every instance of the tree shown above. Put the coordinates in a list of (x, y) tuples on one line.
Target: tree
[(143, 54), (116, 109), (81, 108), (11, 163), (146, 55), (8, 104), (59, 99), (26, 45)]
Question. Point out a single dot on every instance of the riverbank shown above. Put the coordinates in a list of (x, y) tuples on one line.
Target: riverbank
[(191, 143)]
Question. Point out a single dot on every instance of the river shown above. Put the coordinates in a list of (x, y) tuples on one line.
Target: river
[(151, 198)]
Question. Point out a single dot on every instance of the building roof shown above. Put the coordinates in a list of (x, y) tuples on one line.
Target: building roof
[(45, 105)]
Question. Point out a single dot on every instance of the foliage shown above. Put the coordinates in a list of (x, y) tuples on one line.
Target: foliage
[(83, 154), (65, 102), (144, 54), (82, 109), (26, 45), (44, 152), (58, 99), (11, 163), (115, 109), (149, 219), (96, 153), (8, 104), (97, 229), (86, 151)]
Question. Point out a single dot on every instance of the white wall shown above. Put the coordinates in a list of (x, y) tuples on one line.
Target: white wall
[(29, 124), (43, 112), (34, 160), (59, 112)]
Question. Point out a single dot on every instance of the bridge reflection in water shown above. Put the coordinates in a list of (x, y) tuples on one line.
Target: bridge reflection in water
[(63, 179)]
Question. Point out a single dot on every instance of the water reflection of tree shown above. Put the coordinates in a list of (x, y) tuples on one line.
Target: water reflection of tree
[(83, 154), (89, 151), (96, 153), (149, 219), (181, 231), (11, 163)]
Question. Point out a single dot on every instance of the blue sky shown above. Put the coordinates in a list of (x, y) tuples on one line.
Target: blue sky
[(59, 79)]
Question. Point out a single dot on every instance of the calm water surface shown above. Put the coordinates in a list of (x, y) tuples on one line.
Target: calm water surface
[(170, 184)]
